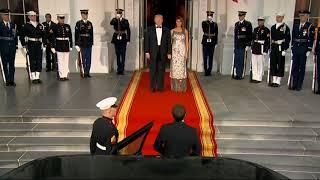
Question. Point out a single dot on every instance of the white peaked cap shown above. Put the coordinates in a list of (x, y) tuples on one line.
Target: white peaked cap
[(31, 13), (280, 13), (106, 103)]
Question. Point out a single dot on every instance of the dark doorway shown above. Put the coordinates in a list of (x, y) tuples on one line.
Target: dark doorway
[(170, 9)]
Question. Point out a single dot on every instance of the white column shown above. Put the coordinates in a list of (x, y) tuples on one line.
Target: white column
[(199, 14), (253, 8)]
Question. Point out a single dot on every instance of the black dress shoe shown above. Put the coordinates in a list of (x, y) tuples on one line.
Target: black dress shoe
[(13, 84), (292, 88), (298, 89), (7, 84), (66, 79), (39, 81), (88, 76), (34, 81), (48, 70), (318, 92)]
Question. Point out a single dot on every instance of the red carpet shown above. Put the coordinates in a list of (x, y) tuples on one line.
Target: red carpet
[(140, 106)]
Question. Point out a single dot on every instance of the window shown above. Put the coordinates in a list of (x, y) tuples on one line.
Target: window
[(313, 6), (19, 9)]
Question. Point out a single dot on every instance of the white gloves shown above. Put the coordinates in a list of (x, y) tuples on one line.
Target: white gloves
[(247, 48), (44, 49), (283, 53), (264, 53), (53, 50), (147, 56), (77, 48), (70, 49), (25, 50), (308, 53)]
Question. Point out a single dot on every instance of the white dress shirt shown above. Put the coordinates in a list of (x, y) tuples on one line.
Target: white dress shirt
[(159, 35), (7, 24)]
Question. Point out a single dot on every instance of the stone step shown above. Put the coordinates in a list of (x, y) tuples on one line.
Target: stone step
[(4, 170), (49, 119), (295, 167), (283, 147), (44, 144)]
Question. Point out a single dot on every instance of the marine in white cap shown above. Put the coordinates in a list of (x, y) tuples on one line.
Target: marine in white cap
[(260, 48), (280, 41), (62, 46), (31, 39), (104, 132)]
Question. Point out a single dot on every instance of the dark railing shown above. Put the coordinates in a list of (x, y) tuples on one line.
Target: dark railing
[(138, 167)]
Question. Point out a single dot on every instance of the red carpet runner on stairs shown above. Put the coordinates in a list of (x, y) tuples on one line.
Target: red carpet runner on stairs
[(140, 106)]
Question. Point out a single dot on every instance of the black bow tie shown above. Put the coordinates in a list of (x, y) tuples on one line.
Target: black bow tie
[(159, 27)]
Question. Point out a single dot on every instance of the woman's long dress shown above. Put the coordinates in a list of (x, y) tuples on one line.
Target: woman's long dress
[(178, 67)]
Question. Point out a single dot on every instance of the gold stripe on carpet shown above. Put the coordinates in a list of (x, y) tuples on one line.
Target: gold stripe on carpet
[(126, 106), (205, 127)]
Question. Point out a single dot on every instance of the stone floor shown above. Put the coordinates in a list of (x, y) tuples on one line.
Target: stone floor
[(274, 127)]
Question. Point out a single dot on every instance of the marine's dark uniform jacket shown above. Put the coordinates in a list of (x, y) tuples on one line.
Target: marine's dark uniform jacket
[(103, 131), (260, 40), (63, 37)]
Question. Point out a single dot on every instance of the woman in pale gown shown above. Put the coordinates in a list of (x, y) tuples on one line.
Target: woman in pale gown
[(180, 48)]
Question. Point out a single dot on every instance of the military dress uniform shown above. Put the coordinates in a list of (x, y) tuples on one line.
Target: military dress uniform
[(48, 41), (260, 47), (209, 42), (280, 41), (242, 40), (84, 40), (31, 39), (317, 63), (120, 38), (8, 46), (104, 132), (63, 46), (302, 42)]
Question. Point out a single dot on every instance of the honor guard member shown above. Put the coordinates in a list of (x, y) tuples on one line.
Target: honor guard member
[(280, 41), (260, 48), (62, 46), (104, 132), (8, 46), (316, 63), (209, 42), (120, 38), (84, 40), (302, 43), (242, 43), (48, 41), (31, 40)]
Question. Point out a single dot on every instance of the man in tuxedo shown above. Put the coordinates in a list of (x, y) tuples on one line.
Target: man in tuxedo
[(48, 41), (177, 139), (158, 48)]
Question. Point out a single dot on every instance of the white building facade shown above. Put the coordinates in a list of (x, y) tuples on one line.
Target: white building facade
[(102, 11)]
